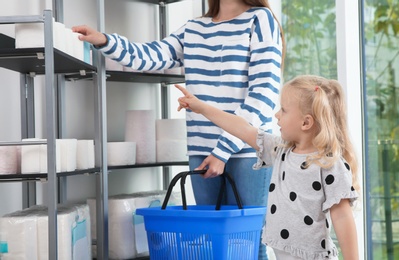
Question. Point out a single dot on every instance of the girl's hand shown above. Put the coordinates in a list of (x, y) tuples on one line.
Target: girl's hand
[(90, 35), (189, 101)]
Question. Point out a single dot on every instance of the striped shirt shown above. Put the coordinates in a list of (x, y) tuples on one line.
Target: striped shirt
[(233, 65)]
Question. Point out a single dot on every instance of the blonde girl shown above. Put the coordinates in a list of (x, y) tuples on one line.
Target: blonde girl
[(314, 168)]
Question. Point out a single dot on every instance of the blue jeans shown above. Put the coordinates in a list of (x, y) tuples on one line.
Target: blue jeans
[(252, 186)]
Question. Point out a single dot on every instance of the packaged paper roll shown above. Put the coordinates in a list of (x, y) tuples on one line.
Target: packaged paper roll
[(140, 128), (127, 237), (172, 151), (19, 235), (171, 129), (121, 153), (34, 157), (85, 154), (8, 159), (68, 154)]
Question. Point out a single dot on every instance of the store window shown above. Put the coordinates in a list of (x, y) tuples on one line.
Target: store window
[(310, 32), (381, 67)]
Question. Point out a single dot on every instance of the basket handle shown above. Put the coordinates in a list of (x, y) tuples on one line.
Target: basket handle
[(182, 176)]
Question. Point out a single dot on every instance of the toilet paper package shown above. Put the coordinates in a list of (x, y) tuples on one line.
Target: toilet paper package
[(171, 129), (9, 159), (85, 157), (171, 142), (172, 151), (125, 242), (140, 128), (121, 153), (68, 148), (74, 238), (18, 235), (24, 234), (34, 157)]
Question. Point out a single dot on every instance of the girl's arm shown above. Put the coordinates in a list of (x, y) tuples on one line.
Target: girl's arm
[(231, 123), (345, 229)]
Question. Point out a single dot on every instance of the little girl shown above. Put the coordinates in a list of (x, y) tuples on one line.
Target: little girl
[(314, 173)]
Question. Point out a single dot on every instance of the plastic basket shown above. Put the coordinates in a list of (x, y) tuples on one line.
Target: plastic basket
[(203, 232)]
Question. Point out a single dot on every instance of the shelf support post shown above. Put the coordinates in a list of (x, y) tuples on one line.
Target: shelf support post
[(50, 132), (101, 145)]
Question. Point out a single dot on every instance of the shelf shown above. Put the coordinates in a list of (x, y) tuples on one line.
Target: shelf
[(31, 60), (135, 77), (43, 176), (147, 165)]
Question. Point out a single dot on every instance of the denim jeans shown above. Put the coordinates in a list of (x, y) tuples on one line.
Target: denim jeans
[(252, 186)]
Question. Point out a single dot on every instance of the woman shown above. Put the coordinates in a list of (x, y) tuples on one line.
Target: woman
[(232, 58)]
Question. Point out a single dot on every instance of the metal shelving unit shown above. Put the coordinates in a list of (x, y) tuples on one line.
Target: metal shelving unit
[(58, 66), (44, 66)]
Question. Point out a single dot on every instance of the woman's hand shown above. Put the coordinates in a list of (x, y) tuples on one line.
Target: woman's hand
[(90, 35)]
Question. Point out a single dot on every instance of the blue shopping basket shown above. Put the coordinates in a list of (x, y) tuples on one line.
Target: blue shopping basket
[(195, 232)]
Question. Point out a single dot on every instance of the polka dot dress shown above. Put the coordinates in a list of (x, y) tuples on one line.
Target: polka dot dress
[(300, 197)]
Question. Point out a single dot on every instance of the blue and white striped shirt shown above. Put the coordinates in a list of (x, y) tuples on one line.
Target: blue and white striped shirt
[(233, 65)]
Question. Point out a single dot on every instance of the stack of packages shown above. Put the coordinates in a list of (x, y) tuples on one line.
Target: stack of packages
[(24, 233), (127, 235)]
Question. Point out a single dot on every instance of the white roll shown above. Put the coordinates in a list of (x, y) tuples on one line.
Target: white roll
[(78, 47), (59, 36), (19, 233), (172, 151), (85, 154), (140, 128), (32, 157), (121, 153), (8, 159), (68, 154), (31, 35), (168, 129)]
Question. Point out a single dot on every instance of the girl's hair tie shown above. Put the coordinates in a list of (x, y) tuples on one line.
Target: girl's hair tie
[(316, 88)]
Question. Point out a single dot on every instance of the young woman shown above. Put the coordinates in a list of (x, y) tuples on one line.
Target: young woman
[(314, 174), (232, 58)]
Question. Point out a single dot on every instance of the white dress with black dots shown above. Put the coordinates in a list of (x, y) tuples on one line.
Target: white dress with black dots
[(300, 199)]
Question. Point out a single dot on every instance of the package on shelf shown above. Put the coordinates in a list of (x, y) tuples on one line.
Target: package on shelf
[(73, 232), (171, 140), (125, 242), (140, 128), (25, 233), (85, 154), (121, 153), (34, 157), (68, 150), (31, 35), (71, 154), (9, 159), (18, 235)]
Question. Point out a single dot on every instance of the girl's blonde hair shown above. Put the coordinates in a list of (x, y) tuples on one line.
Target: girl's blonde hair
[(324, 100)]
